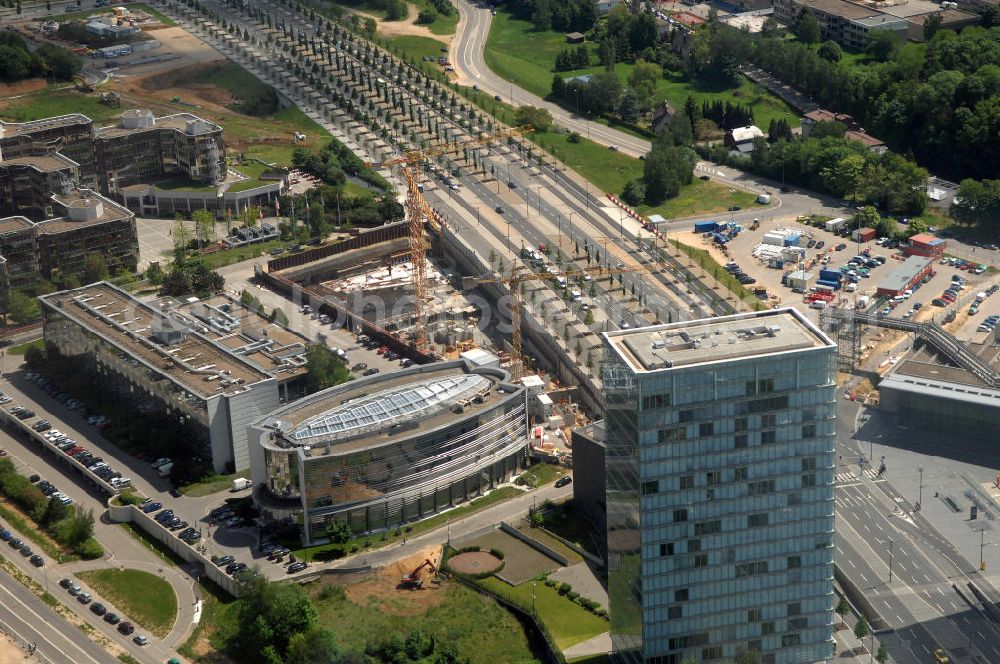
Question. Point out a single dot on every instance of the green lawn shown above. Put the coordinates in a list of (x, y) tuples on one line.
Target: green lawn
[(183, 183), (516, 51), (21, 349), (415, 47), (608, 170), (699, 198), (154, 545), (211, 484), (229, 256), (252, 183), (567, 622), (542, 473), (477, 626), (497, 496), (56, 101), (442, 25), (145, 598)]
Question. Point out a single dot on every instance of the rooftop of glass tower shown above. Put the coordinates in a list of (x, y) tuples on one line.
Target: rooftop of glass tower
[(710, 340)]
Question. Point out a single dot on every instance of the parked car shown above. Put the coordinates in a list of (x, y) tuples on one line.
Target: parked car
[(112, 618), (140, 639), (98, 608), (126, 628), (297, 567), (563, 481)]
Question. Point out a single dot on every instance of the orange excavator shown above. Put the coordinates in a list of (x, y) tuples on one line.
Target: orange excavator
[(413, 580)]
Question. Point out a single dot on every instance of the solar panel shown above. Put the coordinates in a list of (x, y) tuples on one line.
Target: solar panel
[(385, 408)]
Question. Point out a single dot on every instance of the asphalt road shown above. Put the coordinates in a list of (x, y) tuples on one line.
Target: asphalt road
[(878, 527), (30, 620)]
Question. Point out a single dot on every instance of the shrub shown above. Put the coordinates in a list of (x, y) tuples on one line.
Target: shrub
[(332, 592), (426, 16), (564, 588), (551, 583), (573, 595), (468, 549), (90, 549), (498, 553)]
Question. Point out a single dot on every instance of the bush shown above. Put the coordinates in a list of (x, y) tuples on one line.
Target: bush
[(332, 592), (426, 16), (573, 595), (551, 583), (564, 588), (498, 553), (468, 549), (90, 549)]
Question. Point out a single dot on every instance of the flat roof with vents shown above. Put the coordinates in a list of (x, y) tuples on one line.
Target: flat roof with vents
[(710, 340), (200, 365)]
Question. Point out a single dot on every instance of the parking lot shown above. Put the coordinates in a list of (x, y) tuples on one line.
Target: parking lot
[(740, 250)]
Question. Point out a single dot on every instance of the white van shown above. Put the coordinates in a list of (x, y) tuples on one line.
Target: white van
[(818, 304)]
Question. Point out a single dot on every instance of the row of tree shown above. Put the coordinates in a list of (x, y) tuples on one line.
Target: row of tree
[(576, 58), (69, 525), (18, 62), (562, 16), (839, 166)]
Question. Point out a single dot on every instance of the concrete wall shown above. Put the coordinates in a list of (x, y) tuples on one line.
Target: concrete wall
[(132, 514), (246, 408)]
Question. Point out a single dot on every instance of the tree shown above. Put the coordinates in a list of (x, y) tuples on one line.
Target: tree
[(95, 268), (843, 608), (807, 27), (830, 51), (866, 217), (861, 629), (643, 79), (23, 309), (325, 369), (81, 528), (426, 16), (931, 25), (55, 512), (603, 91), (628, 106), (338, 531), (916, 227), (748, 657), (204, 226), (882, 44), (317, 646), (539, 118), (634, 192), (844, 177), (270, 616), (182, 239), (882, 656), (665, 171)]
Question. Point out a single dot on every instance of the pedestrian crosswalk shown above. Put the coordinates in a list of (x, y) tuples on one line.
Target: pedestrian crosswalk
[(849, 478)]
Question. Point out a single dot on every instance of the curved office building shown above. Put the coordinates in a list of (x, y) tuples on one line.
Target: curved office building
[(389, 448)]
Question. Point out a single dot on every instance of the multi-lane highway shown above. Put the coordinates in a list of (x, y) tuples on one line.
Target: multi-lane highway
[(927, 603)]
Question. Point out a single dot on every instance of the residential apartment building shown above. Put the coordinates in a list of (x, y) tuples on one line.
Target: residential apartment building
[(846, 23), (719, 441)]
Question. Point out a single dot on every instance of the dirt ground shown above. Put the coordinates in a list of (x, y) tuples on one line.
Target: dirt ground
[(11, 652), (21, 87), (383, 583), (474, 562), (173, 40)]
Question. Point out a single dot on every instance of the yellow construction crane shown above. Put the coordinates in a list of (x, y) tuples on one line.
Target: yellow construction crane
[(417, 209), (513, 284)]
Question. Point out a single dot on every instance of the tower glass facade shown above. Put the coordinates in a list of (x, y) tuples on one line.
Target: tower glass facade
[(720, 489)]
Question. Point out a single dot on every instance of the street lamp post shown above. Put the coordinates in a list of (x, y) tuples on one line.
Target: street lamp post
[(920, 489), (891, 542)]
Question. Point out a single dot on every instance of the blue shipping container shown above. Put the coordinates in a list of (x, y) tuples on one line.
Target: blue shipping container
[(835, 285), (829, 275), (705, 226)]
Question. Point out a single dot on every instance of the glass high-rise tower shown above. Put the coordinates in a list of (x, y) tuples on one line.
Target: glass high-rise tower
[(720, 438)]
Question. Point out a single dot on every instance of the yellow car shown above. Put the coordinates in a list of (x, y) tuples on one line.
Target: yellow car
[(941, 657)]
